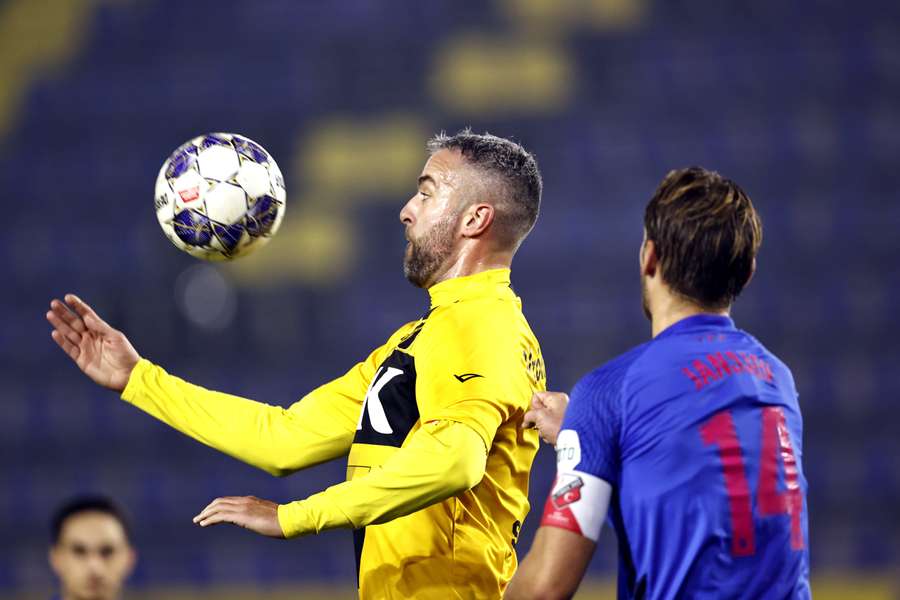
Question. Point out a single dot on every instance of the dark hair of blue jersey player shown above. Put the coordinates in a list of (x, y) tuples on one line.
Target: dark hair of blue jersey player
[(690, 444)]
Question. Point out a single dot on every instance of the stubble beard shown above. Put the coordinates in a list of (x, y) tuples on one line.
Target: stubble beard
[(424, 256)]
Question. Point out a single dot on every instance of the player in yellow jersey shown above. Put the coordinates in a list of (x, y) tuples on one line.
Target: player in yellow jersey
[(431, 422)]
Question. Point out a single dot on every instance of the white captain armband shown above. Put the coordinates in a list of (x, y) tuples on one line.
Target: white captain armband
[(578, 501)]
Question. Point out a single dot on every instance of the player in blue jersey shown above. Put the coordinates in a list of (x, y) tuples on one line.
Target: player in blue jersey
[(690, 443)]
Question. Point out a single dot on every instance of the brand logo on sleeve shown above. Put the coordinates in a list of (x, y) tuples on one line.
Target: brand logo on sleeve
[(568, 450), (467, 376)]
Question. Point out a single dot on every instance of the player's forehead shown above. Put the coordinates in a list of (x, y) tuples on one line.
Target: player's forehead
[(92, 529), (444, 167)]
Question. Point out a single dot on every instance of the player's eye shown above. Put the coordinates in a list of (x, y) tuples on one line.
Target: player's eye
[(106, 552), (79, 550)]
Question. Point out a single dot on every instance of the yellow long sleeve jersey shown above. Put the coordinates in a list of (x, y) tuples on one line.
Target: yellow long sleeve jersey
[(438, 463)]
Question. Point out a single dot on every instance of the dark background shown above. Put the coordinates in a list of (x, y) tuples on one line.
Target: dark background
[(796, 101)]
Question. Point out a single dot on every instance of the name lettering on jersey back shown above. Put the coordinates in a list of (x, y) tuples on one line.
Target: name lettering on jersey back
[(724, 364)]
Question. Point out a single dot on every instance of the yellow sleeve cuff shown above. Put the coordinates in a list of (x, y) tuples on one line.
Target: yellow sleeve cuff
[(312, 515), (135, 380), (292, 519)]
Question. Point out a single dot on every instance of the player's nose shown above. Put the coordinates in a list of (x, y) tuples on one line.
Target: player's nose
[(406, 215)]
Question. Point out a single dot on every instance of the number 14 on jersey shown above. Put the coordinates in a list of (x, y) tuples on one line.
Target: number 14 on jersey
[(719, 430)]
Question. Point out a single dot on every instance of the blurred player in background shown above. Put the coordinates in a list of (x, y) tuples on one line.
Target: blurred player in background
[(438, 462), (691, 441), (91, 550)]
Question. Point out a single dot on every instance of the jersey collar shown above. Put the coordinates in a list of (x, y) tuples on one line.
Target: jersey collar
[(698, 323), (492, 283)]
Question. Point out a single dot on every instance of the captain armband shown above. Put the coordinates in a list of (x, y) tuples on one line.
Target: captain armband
[(578, 501)]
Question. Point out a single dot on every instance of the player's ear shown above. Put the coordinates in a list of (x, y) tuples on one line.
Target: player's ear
[(131, 561), (752, 272), (53, 559), (476, 219), (649, 260)]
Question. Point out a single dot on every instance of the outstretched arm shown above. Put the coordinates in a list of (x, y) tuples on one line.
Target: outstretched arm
[(441, 460), (318, 428)]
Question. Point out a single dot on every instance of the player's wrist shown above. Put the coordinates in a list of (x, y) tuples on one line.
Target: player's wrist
[(131, 376)]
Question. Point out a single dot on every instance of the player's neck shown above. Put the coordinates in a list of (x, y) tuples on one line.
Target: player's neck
[(65, 595), (473, 262), (672, 309)]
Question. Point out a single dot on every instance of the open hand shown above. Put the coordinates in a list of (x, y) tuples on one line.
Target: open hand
[(103, 353), (248, 512), (546, 414)]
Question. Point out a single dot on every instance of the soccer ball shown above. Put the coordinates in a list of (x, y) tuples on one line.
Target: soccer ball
[(219, 196)]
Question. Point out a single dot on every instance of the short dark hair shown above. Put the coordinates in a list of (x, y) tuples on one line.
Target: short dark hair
[(83, 504), (520, 179), (706, 233)]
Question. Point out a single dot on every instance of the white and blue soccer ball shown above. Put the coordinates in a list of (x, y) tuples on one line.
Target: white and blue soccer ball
[(219, 196)]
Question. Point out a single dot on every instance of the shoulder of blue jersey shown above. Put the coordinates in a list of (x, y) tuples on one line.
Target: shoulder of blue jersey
[(780, 367), (611, 375)]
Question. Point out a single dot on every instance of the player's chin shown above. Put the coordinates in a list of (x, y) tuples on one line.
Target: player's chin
[(94, 590)]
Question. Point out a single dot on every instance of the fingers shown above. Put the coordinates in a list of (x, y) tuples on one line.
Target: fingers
[(217, 508), (530, 419), (64, 313), (551, 399), (249, 512), (220, 515), (559, 399), (68, 347), (63, 328), (537, 401), (91, 319)]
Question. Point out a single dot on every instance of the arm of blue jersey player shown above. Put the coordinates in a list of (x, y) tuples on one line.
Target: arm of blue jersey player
[(553, 567), (588, 463), (441, 460), (564, 544)]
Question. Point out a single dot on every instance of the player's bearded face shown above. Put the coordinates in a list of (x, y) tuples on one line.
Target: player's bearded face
[(427, 252)]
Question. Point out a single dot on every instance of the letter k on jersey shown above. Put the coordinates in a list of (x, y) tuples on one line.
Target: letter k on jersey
[(373, 404)]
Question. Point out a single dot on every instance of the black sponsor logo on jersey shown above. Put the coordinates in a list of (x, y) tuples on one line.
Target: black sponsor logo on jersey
[(390, 410), (535, 365), (516, 528), (467, 376)]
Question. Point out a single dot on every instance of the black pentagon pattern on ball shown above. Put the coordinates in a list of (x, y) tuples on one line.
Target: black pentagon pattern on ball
[(192, 228), (249, 149), (181, 160), (261, 216), (228, 235), (214, 139)]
